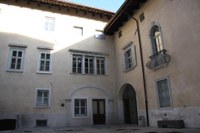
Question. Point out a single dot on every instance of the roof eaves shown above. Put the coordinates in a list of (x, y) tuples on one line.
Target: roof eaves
[(121, 15)]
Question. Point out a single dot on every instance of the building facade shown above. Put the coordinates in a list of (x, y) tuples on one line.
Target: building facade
[(58, 69)]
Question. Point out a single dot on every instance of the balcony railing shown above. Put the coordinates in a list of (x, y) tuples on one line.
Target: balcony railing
[(158, 60)]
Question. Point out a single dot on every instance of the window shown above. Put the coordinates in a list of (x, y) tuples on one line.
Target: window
[(156, 39), (78, 31), (49, 24), (99, 35), (163, 91), (89, 65), (41, 123), (100, 65), (16, 59), (43, 97), (142, 17), (129, 57), (45, 62), (86, 64), (80, 107), (77, 64)]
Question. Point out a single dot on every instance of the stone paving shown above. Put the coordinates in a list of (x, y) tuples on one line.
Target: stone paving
[(105, 129)]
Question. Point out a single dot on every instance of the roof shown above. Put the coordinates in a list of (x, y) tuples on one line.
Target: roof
[(68, 4), (128, 8), (61, 4)]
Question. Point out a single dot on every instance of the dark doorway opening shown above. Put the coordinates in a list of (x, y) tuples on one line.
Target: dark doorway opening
[(99, 115), (130, 105)]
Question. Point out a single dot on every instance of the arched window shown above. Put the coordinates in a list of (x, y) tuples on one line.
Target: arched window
[(156, 39)]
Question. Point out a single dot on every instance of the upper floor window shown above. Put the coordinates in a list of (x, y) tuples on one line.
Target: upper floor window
[(163, 91), (100, 62), (99, 35), (78, 31), (43, 97), (16, 59), (88, 64), (49, 24), (77, 63), (156, 39), (44, 64), (129, 56)]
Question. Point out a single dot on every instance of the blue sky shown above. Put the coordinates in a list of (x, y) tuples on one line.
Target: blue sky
[(110, 5)]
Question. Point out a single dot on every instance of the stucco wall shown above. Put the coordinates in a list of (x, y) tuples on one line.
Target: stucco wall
[(18, 90), (179, 21)]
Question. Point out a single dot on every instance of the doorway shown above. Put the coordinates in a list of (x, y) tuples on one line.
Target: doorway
[(130, 105), (99, 116)]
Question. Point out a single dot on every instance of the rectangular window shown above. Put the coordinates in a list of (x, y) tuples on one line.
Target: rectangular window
[(78, 31), (16, 59), (129, 58), (43, 97), (45, 62), (163, 91), (80, 107), (49, 24), (89, 65), (41, 123), (100, 63), (99, 35), (77, 64)]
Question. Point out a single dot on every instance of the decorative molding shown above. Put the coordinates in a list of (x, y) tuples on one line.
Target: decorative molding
[(44, 48), (127, 45), (87, 52), (17, 45)]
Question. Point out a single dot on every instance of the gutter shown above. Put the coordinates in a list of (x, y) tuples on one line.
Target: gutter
[(142, 64)]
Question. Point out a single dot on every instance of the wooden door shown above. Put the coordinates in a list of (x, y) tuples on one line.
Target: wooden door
[(99, 116)]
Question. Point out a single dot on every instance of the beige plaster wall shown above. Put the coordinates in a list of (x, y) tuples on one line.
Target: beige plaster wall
[(179, 21), (17, 93)]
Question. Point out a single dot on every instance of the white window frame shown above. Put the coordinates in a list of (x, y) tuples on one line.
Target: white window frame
[(104, 67), (80, 115), (83, 56), (77, 56), (132, 49), (169, 90), (39, 62), (11, 49), (36, 97), (49, 24), (89, 65)]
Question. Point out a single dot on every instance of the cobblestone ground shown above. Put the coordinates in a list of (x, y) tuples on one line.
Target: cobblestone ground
[(104, 129)]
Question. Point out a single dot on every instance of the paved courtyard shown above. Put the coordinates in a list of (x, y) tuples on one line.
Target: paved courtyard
[(104, 129)]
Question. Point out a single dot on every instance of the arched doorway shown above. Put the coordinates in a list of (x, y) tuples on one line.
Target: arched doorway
[(130, 105)]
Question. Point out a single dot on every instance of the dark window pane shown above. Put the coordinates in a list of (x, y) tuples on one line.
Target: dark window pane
[(42, 56), (14, 53), (19, 54)]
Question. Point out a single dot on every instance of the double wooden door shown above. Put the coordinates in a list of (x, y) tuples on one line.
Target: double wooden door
[(99, 115)]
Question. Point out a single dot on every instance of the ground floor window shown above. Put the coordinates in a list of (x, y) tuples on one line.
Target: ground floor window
[(42, 97), (80, 107), (163, 91)]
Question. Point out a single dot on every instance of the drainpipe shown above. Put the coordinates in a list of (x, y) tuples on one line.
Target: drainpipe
[(142, 64)]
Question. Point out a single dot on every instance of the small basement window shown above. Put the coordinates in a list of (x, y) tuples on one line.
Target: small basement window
[(41, 123)]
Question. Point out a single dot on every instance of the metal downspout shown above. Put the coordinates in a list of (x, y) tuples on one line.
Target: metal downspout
[(143, 72)]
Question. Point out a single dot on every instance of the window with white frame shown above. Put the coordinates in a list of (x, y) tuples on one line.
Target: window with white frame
[(78, 31), (99, 35), (16, 59), (100, 63), (163, 91), (129, 57), (49, 24), (44, 62), (88, 64), (77, 63), (80, 107), (43, 97)]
